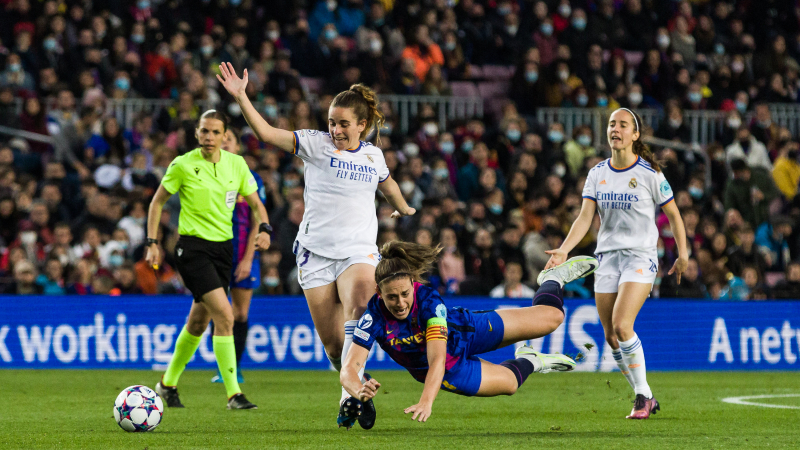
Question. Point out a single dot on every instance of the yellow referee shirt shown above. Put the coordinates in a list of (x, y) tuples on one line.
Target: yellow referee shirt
[(208, 192)]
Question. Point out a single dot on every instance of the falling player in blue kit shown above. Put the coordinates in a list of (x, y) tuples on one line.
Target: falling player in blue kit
[(246, 269), (438, 345)]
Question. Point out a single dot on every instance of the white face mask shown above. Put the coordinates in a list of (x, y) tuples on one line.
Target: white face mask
[(559, 170), (273, 35), (411, 149), (28, 237), (635, 98), (734, 122), (662, 40), (407, 187), (234, 109), (431, 129)]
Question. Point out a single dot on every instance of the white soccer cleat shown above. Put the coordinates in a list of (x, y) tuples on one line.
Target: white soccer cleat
[(546, 362), (570, 270)]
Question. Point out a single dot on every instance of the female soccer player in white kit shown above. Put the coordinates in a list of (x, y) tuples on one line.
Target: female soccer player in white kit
[(626, 190), (336, 243)]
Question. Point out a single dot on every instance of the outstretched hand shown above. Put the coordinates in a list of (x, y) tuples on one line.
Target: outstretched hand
[(233, 84), (557, 256)]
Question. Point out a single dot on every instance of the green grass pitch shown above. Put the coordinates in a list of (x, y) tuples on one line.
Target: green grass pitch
[(73, 409)]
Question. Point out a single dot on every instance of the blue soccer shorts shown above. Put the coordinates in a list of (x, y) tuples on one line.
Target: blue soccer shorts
[(483, 334)]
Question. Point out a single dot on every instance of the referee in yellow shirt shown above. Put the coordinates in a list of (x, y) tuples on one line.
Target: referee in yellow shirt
[(208, 181)]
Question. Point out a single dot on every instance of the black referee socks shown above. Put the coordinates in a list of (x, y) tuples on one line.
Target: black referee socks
[(240, 338)]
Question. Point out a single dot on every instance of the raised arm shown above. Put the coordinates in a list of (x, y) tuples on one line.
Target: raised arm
[(236, 86), (576, 233)]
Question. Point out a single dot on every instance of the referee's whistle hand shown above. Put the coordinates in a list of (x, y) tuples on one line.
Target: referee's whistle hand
[(153, 256), (262, 241)]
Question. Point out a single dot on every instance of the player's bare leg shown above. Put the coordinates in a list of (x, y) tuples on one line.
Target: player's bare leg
[(356, 285)]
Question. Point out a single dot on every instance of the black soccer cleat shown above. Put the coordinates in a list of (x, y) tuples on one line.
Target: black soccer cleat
[(349, 411), (368, 414), (239, 401), (169, 395)]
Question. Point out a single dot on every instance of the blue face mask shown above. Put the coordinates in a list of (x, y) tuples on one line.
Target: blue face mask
[(207, 50), (441, 174), (50, 44), (449, 46), (116, 260), (466, 147), (16, 67), (531, 76), (272, 281), (555, 136), (513, 135), (137, 38), (271, 111), (546, 29), (582, 100), (448, 147), (602, 102), (696, 192), (579, 23), (331, 34), (236, 2), (122, 83), (695, 97), (741, 106), (387, 128), (143, 4), (496, 209), (719, 48), (584, 140)]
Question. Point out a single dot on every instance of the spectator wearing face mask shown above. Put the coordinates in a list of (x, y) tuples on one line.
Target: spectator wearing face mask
[(578, 149), (747, 148), (673, 126)]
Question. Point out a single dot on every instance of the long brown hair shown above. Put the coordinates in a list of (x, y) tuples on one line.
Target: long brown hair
[(639, 147), (364, 102), (399, 258)]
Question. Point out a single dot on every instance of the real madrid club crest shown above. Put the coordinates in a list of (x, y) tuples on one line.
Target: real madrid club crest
[(370, 159), (633, 183)]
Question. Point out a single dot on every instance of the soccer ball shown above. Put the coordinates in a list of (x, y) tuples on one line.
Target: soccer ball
[(138, 408)]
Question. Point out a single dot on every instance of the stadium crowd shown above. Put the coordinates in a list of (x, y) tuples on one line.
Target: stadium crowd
[(495, 192)]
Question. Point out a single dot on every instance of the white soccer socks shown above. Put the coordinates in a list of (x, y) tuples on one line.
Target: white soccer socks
[(633, 357)]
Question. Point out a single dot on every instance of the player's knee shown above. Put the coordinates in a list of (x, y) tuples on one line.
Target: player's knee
[(622, 329), (333, 352), (239, 314), (196, 327), (555, 318)]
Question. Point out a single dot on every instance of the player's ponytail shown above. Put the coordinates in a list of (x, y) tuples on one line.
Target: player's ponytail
[(408, 259), (640, 148), (364, 102)]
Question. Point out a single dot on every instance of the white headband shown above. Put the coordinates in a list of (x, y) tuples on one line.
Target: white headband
[(632, 115)]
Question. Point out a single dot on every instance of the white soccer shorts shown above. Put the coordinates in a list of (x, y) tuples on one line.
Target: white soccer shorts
[(623, 266), (315, 270)]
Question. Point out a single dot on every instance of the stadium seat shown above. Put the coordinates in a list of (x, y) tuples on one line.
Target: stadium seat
[(464, 89)]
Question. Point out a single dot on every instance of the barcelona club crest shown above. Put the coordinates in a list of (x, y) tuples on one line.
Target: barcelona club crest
[(632, 183)]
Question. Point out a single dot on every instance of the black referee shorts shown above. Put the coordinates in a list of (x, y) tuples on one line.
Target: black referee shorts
[(204, 265)]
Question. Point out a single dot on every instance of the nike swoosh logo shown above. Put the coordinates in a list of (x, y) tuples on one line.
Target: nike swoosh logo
[(590, 270)]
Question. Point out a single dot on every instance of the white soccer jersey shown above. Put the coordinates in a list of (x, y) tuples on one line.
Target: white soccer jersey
[(339, 219), (627, 200)]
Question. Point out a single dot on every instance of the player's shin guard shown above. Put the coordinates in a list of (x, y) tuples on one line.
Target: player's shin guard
[(633, 356), (520, 367), (185, 347), (550, 293), (225, 352), (240, 339), (622, 366), (349, 328)]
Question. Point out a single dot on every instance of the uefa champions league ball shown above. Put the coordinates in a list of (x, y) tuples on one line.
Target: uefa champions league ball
[(138, 408)]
